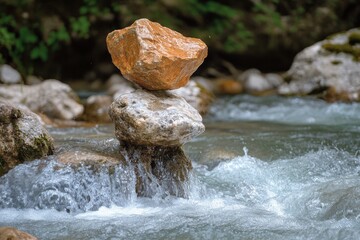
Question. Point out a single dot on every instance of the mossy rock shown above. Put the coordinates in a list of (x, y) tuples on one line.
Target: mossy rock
[(349, 46), (343, 48), (354, 38), (22, 137)]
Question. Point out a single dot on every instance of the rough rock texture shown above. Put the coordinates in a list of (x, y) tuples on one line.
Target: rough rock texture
[(196, 95), (155, 57), (97, 109), (155, 118), (333, 63), (158, 169), (51, 97), (9, 75), (11, 233), (22, 137)]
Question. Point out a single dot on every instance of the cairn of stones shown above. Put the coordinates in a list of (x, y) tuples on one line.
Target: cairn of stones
[(151, 123)]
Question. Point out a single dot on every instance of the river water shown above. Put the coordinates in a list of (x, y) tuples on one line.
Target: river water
[(266, 168)]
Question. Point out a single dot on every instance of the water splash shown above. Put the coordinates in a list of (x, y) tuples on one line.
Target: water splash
[(47, 184)]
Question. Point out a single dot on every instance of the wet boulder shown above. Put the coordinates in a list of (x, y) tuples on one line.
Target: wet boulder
[(333, 63), (11, 233), (155, 118), (22, 137), (155, 57), (51, 97)]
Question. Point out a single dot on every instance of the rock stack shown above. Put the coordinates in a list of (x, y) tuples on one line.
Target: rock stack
[(152, 123)]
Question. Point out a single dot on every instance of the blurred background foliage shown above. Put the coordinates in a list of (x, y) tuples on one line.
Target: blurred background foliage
[(66, 39)]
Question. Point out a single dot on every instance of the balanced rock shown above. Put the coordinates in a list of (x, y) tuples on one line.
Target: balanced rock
[(22, 137), (155, 118), (155, 57)]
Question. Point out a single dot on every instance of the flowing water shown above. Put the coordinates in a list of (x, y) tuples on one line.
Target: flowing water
[(266, 168)]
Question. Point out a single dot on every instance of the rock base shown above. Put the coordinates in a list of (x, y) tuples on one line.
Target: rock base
[(159, 170)]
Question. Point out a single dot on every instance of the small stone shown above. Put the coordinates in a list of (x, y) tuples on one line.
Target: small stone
[(228, 86), (51, 97), (154, 118), (9, 75), (255, 82), (155, 57), (11, 233), (22, 137)]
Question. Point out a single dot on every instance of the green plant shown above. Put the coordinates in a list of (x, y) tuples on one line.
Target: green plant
[(27, 39)]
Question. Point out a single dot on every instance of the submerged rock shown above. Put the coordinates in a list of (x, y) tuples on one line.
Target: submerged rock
[(9, 75), (11, 233), (160, 170), (22, 137), (91, 159), (155, 118), (155, 57), (333, 63), (51, 97)]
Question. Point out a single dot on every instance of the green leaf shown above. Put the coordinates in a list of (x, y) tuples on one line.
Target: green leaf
[(27, 36), (6, 38), (39, 52), (80, 26)]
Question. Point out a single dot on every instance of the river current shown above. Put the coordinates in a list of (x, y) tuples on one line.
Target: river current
[(266, 168)]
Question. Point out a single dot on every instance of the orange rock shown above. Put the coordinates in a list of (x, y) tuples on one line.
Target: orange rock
[(155, 57), (228, 86), (11, 233)]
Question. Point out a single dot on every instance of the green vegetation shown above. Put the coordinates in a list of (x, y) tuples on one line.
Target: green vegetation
[(348, 47), (41, 37), (343, 48), (354, 38)]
